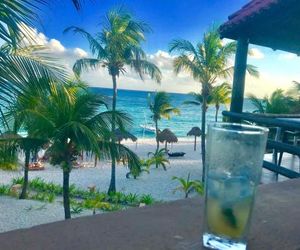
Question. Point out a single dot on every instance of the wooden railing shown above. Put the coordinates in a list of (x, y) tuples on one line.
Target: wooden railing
[(278, 147)]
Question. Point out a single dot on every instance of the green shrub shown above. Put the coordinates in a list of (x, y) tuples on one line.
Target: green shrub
[(47, 192), (76, 207), (187, 185), (117, 197), (132, 199), (19, 180), (147, 199), (4, 189)]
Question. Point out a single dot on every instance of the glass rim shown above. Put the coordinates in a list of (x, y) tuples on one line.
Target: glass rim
[(246, 129)]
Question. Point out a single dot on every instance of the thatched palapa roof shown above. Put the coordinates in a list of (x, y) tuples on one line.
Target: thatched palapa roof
[(168, 136), (124, 135), (195, 131)]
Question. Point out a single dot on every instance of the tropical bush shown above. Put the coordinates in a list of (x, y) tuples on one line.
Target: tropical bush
[(79, 198), (158, 158), (278, 103), (147, 199), (144, 167), (187, 185)]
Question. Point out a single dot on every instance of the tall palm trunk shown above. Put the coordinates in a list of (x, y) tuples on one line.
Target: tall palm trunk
[(66, 190), (195, 143), (112, 185), (217, 112), (157, 141), (26, 167), (203, 123), (156, 135), (95, 162)]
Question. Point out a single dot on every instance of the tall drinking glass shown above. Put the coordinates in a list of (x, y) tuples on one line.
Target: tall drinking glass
[(233, 169)]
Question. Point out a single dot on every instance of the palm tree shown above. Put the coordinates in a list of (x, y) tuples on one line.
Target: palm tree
[(207, 62), (198, 100), (187, 186), (118, 45), (69, 117), (277, 103), (28, 145), (294, 91), (161, 107), (220, 95), (159, 158)]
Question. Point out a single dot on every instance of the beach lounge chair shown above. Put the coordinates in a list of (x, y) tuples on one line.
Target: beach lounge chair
[(176, 154)]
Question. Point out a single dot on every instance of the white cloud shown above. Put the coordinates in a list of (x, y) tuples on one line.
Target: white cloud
[(55, 46), (80, 52), (268, 82), (225, 41), (65, 56), (182, 83), (255, 53), (287, 56)]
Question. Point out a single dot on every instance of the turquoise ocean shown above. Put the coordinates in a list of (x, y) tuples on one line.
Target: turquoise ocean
[(135, 103)]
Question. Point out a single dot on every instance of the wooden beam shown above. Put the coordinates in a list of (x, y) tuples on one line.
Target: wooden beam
[(238, 86), (283, 123), (280, 170)]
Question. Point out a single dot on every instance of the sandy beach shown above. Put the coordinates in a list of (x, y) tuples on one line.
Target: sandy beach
[(158, 183)]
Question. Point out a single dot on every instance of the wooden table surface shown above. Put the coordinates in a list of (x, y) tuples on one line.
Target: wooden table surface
[(173, 225)]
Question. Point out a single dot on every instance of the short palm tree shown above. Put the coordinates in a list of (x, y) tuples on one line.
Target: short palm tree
[(220, 95), (160, 107), (197, 100), (117, 46), (207, 62), (70, 119), (159, 158), (187, 185), (29, 146)]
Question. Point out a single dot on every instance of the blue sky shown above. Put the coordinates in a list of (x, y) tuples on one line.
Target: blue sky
[(169, 19)]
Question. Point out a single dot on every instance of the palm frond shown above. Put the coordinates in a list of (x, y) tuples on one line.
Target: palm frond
[(15, 16), (252, 70), (95, 47), (257, 103), (86, 64)]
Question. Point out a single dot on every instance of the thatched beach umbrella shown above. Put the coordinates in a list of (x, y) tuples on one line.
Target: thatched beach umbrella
[(124, 135), (195, 131), (167, 136)]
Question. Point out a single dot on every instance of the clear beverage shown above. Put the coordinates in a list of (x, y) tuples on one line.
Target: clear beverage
[(233, 170)]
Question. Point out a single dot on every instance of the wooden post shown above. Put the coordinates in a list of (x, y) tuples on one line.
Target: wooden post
[(238, 86)]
